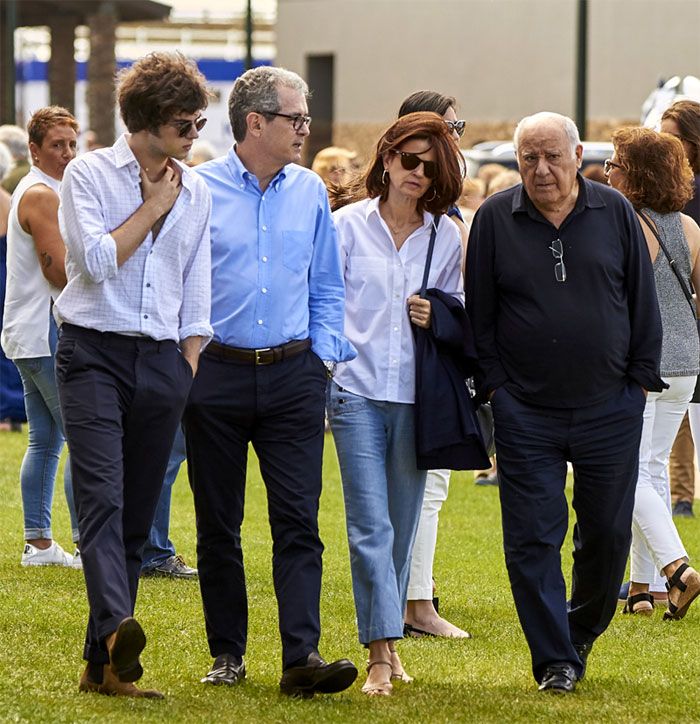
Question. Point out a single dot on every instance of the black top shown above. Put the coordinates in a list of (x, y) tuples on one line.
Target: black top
[(562, 344)]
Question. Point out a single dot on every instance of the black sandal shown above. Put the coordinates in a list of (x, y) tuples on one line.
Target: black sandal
[(632, 601), (690, 589)]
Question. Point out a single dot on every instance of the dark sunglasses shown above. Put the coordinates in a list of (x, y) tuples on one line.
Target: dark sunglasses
[(183, 126), (298, 119), (457, 126), (411, 161)]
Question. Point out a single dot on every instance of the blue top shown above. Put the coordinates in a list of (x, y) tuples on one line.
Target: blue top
[(276, 273), (562, 344)]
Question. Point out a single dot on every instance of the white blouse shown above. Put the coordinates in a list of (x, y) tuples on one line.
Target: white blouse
[(378, 281)]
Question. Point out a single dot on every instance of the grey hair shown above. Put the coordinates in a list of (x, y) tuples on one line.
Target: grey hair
[(568, 126), (256, 92), (16, 140), (5, 160)]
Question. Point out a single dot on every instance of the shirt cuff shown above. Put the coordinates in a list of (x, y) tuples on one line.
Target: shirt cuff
[(331, 346), (198, 329), (646, 378)]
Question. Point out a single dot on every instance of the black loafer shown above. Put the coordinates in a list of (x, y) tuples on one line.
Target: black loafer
[(559, 678), (227, 670), (583, 650), (317, 676)]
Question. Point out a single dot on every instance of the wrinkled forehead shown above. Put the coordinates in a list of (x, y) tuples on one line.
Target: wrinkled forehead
[(544, 135)]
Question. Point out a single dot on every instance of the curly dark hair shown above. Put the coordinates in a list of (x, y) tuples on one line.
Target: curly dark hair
[(686, 114), (446, 187), (657, 174), (46, 118), (156, 88)]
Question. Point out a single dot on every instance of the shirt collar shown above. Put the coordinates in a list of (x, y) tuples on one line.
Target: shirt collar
[(124, 156), (373, 208), (242, 176), (588, 197)]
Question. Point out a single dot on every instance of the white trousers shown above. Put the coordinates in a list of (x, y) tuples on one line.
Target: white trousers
[(420, 584), (655, 540)]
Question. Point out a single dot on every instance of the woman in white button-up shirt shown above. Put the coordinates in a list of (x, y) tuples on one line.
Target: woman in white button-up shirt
[(415, 174)]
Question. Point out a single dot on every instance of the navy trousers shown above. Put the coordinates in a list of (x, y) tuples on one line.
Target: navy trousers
[(279, 408), (533, 446), (121, 400)]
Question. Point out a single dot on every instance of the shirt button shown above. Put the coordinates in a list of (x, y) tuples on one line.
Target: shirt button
[(264, 290), (148, 284), (264, 228), (242, 186), (145, 316), (264, 258), (259, 321), (396, 329)]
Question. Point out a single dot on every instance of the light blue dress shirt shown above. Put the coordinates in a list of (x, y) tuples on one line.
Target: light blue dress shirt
[(276, 273), (162, 289)]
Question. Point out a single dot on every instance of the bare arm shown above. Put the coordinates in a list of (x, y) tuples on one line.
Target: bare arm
[(38, 216), (158, 198), (191, 348), (692, 235)]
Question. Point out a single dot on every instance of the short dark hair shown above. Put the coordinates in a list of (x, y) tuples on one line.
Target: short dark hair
[(157, 87), (46, 118), (446, 187), (657, 174), (686, 114), (427, 101)]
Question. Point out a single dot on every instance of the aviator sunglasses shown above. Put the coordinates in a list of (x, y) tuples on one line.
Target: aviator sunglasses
[(183, 126), (411, 161)]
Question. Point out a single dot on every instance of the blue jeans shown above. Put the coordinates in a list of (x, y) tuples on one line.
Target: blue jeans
[(383, 489), (159, 547), (40, 463)]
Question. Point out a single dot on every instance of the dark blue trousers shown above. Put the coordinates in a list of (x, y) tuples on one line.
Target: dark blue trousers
[(533, 446), (121, 400), (279, 408)]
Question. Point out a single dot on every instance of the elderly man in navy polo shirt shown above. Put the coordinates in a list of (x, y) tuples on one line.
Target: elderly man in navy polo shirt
[(562, 298)]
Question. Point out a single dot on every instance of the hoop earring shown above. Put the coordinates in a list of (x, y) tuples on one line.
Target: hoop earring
[(434, 196), (385, 173)]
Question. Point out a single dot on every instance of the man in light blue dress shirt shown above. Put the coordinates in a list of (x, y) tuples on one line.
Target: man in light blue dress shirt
[(134, 317), (277, 313)]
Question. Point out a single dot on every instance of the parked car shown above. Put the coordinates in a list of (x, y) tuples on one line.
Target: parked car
[(503, 152)]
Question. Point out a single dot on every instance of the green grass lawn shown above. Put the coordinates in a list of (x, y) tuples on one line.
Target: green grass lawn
[(641, 670)]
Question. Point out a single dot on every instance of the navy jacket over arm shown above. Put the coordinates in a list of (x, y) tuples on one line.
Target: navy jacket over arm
[(562, 344), (447, 431)]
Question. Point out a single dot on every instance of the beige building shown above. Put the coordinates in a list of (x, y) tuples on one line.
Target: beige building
[(502, 59)]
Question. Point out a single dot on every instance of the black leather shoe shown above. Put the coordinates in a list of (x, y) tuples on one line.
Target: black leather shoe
[(583, 650), (559, 678), (227, 670), (317, 676)]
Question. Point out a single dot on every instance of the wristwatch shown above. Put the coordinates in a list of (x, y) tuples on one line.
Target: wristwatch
[(330, 368)]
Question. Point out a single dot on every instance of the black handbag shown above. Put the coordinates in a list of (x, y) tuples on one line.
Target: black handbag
[(686, 291)]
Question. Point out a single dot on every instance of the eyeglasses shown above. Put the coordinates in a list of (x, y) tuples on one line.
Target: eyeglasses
[(183, 125), (411, 161), (298, 119), (557, 249), (457, 126), (609, 165)]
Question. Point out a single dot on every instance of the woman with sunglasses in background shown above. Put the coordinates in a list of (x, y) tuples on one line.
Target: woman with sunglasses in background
[(651, 170), (682, 120), (422, 618), (384, 234)]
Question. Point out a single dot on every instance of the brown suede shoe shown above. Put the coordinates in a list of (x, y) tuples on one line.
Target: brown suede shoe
[(124, 646), (111, 686)]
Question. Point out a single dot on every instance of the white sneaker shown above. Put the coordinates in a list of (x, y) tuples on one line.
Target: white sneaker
[(54, 555), (77, 561)]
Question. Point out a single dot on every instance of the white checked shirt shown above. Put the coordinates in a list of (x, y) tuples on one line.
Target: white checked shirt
[(378, 281), (163, 290)]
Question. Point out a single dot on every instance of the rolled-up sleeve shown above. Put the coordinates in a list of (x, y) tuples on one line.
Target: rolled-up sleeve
[(195, 311), (327, 291), (83, 227)]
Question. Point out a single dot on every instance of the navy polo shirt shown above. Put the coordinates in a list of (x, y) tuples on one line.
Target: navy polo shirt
[(562, 344)]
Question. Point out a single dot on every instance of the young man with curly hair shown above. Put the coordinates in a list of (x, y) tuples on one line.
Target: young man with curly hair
[(134, 317)]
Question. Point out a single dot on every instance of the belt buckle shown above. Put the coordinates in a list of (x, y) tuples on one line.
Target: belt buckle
[(258, 358)]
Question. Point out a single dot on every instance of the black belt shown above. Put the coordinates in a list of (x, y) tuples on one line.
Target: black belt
[(264, 356)]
